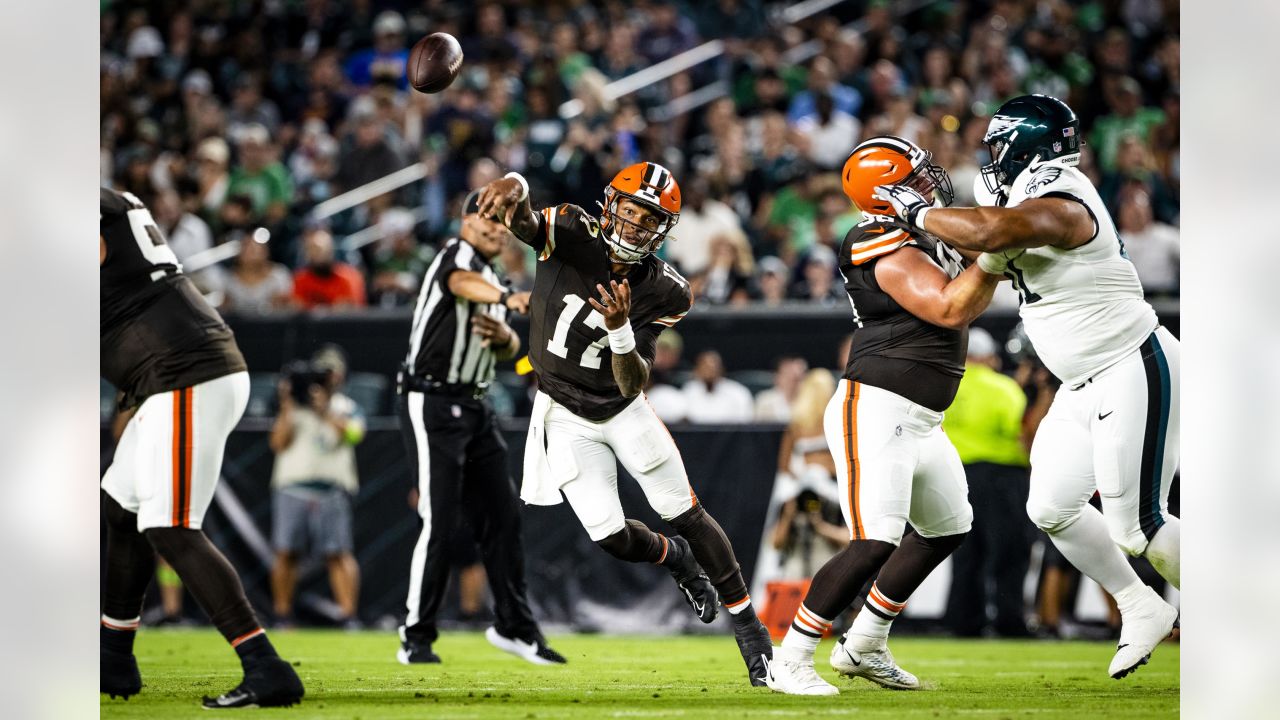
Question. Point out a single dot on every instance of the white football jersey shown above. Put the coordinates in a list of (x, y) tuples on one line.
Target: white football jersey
[(1083, 308)]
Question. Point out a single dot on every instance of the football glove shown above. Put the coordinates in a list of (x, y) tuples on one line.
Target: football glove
[(908, 205)]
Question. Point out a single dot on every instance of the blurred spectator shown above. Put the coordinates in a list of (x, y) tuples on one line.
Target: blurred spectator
[(985, 424), (314, 479), (255, 285), (212, 178), (399, 260), (669, 33), (829, 134), (515, 259), (185, 234), (898, 119), (713, 398), (702, 220), (809, 529), (823, 81), (774, 404), (818, 279), (774, 277), (1153, 247), (249, 108), (260, 175), (369, 155), (668, 401), (728, 280), (1128, 117), (1134, 164), (387, 60), (322, 281)]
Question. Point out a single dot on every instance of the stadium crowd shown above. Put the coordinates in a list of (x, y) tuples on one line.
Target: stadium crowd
[(233, 120)]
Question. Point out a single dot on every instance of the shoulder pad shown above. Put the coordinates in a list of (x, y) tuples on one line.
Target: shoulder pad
[(875, 236), (569, 224)]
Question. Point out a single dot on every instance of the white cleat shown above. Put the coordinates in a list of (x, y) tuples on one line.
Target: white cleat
[(792, 673), (536, 653), (1141, 631), (875, 665)]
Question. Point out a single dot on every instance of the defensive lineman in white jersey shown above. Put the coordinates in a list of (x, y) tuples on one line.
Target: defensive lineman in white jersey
[(1113, 427)]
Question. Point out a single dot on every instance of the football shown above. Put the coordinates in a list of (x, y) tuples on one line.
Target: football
[(434, 62)]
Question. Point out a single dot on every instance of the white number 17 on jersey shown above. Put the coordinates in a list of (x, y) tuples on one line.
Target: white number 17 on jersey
[(558, 344)]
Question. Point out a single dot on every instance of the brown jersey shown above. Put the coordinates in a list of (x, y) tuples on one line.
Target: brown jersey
[(157, 332), (568, 342), (893, 349)]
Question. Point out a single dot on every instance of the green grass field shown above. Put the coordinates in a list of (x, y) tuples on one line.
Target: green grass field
[(354, 675)]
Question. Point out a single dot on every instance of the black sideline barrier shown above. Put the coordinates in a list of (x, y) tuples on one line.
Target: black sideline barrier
[(571, 580)]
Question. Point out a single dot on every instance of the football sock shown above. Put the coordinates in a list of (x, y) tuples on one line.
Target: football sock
[(739, 607), (117, 635), (1164, 550), (254, 646), (713, 552), (131, 562), (1086, 543), (902, 573), (214, 584), (871, 626), (806, 631), (838, 582), (635, 542)]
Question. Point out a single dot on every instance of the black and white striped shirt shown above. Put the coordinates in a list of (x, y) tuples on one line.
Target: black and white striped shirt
[(442, 347)]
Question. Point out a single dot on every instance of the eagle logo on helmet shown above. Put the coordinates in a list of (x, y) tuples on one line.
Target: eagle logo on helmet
[(651, 185)]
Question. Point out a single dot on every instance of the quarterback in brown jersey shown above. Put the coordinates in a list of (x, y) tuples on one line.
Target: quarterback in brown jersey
[(600, 299), (183, 378)]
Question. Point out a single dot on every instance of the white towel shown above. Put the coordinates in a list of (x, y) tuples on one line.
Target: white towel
[(538, 487)]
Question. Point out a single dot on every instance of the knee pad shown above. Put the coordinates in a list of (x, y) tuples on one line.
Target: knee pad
[(1048, 518), (1127, 535)]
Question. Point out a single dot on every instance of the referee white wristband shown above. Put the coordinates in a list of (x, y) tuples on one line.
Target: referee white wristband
[(622, 340), (524, 184)]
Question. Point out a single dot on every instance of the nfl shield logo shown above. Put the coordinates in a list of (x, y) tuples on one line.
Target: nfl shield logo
[(1057, 146)]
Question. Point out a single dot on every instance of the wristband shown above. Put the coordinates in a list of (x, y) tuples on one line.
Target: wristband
[(920, 216), (524, 184), (622, 340)]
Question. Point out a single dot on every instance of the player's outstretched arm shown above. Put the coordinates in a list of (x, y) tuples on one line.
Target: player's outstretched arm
[(924, 290), (630, 371), (1054, 221), (472, 286), (507, 201)]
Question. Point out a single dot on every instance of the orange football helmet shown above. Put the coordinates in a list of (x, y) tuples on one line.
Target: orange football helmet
[(653, 186), (889, 160)]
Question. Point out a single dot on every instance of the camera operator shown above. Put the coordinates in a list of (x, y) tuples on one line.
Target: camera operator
[(314, 438)]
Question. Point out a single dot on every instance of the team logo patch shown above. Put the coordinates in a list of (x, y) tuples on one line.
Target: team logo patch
[(1042, 178), (1001, 125)]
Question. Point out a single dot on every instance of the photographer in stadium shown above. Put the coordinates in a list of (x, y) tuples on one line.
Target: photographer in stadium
[(314, 439)]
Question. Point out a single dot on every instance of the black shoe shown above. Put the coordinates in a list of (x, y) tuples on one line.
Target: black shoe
[(694, 583), (412, 653), (757, 651), (118, 674), (269, 683)]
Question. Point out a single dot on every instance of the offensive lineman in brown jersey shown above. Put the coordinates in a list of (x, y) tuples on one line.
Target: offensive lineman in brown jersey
[(912, 304), (600, 299), (178, 365)]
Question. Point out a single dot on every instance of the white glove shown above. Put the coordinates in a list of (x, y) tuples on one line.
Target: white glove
[(909, 205)]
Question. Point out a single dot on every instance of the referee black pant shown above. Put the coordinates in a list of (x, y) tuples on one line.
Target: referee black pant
[(991, 565), (460, 459)]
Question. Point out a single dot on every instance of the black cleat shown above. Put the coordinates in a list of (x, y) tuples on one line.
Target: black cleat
[(118, 674), (270, 683), (757, 651), (694, 583), (412, 653)]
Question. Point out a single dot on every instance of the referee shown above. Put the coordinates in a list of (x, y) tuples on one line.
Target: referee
[(459, 456)]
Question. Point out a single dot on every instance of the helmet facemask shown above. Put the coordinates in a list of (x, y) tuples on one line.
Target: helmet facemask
[(630, 241), (930, 180)]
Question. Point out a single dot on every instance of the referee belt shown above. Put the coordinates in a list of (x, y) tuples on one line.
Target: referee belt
[(430, 386)]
